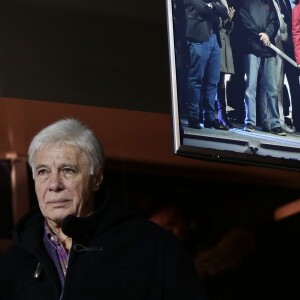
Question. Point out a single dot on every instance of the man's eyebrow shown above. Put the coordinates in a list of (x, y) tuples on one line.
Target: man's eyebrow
[(69, 165), (61, 166), (40, 166)]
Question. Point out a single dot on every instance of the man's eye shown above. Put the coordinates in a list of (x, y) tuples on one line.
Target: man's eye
[(68, 171), (41, 172)]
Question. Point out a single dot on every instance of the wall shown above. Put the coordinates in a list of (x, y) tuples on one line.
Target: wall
[(131, 139), (85, 53)]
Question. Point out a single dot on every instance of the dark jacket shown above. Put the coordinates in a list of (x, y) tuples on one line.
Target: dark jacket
[(201, 20), (114, 256), (257, 16)]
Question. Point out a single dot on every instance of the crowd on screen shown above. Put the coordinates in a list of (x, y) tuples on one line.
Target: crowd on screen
[(230, 68)]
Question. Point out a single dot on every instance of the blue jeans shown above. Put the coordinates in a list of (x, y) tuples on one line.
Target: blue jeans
[(267, 68), (203, 77), (279, 64)]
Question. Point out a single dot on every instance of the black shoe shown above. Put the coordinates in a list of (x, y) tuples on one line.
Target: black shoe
[(249, 127), (266, 129), (194, 124), (223, 120), (215, 124), (236, 117), (278, 131)]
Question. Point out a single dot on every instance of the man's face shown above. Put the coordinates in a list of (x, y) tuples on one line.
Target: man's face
[(63, 183)]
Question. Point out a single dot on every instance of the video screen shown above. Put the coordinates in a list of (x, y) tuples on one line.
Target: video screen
[(235, 90)]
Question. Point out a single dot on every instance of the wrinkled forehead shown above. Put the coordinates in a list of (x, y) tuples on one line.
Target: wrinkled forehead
[(61, 151)]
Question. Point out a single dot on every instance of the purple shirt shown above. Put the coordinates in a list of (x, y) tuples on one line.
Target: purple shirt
[(57, 252)]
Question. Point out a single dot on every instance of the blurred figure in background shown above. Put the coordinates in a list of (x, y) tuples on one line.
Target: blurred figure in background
[(172, 210), (171, 218), (273, 270), (219, 265)]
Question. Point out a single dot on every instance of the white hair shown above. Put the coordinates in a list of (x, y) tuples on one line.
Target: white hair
[(70, 132)]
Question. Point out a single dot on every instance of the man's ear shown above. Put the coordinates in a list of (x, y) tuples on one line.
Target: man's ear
[(98, 178)]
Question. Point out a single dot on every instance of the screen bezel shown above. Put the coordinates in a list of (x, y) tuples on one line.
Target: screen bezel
[(200, 152)]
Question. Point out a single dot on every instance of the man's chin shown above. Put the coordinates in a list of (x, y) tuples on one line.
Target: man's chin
[(58, 217)]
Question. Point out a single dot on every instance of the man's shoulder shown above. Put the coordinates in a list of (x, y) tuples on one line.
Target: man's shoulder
[(144, 229), (145, 233)]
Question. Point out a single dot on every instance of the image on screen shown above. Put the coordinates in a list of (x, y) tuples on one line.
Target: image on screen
[(235, 95)]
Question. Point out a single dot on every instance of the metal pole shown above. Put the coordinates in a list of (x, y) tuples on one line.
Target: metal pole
[(283, 55)]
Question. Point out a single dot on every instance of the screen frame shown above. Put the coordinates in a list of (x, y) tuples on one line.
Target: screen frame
[(205, 153)]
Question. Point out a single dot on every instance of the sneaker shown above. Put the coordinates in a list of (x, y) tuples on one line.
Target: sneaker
[(287, 129), (249, 127), (278, 131)]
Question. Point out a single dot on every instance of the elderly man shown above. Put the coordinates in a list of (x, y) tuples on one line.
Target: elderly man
[(78, 247)]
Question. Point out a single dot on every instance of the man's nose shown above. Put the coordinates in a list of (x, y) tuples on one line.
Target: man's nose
[(56, 183)]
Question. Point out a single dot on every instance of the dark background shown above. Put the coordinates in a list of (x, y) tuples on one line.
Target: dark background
[(103, 53)]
